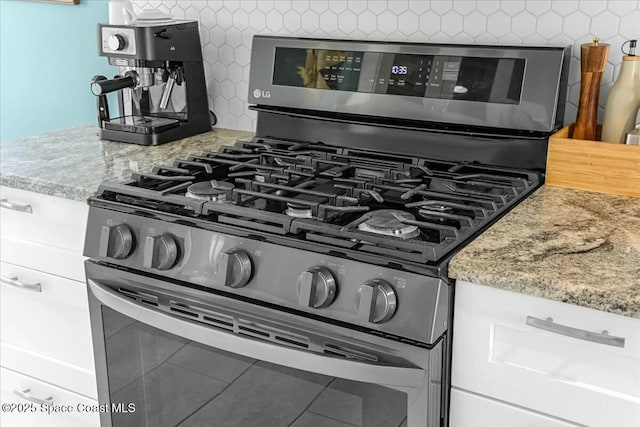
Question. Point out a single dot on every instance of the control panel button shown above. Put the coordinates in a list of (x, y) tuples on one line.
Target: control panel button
[(160, 252), (116, 241), (116, 42), (376, 301), (234, 268), (316, 288)]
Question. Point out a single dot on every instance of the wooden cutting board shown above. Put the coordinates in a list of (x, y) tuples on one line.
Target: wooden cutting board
[(602, 167)]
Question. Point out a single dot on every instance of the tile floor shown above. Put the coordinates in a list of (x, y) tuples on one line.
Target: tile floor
[(176, 382)]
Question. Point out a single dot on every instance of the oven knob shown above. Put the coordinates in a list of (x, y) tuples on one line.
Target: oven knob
[(116, 241), (316, 288), (160, 252), (234, 268), (116, 42), (376, 301)]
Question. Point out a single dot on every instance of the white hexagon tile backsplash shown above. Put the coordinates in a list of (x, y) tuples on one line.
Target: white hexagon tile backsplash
[(227, 27)]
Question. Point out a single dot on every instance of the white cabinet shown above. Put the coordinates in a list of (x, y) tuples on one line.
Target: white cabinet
[(42, 232), (562, 361), (42, 257), (44, 322), (40, 218), (29, 402), (473, 410), (45, 334)]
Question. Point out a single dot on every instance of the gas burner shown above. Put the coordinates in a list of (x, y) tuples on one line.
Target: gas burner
[(390, 222), (298, 211), (215, 191)]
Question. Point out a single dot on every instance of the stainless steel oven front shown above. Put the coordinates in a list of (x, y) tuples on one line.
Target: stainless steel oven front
[(170, 355)]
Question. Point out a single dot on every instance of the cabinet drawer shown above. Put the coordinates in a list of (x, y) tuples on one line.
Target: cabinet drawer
[(38, 256), (36, 413), (497, 354), (53, 322), (470, 410), (52, 371), (44, 219)]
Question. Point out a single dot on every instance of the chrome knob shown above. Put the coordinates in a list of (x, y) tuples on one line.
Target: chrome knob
[(116, 42), (160, 252), (376, 301), (116, 241), (316, 288), (234, 268)]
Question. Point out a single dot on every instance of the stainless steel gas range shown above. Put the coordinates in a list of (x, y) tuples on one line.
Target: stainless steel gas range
[(300, 278)]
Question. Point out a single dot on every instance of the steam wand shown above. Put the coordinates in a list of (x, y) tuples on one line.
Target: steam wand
[(102, 103), (101, 86)]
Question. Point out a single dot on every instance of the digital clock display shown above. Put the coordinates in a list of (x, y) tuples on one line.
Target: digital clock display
[(409, 74), (399, 69)]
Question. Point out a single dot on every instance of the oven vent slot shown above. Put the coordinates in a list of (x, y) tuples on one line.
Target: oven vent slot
[(153, 303), (239, 325), (347, 353), (218, 322), (274, 334), (268, 332), (271, 334), (184, 312), (289, 341), (209, 317), (245, 330), (140, 297)]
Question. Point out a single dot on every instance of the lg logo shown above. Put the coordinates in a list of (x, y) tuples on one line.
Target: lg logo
[(261, 93)]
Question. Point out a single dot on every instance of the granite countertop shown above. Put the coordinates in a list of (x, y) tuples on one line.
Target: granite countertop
[(73, 162), (573, 246)]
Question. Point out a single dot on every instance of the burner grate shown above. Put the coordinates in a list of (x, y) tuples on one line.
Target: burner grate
[(322, 193)]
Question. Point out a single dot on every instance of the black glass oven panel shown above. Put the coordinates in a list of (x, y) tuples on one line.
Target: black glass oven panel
[(160, 379), (480, 79)]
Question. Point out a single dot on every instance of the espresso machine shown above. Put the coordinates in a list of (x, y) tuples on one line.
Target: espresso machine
[(162, 95)]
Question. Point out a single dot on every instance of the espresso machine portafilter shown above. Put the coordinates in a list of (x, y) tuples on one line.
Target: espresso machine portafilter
[(162, 95)]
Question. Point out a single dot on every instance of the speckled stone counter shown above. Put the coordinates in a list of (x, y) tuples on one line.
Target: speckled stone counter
[(567, 245), (72, 163)]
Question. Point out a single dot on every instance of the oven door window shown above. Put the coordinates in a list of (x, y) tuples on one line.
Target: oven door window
[(159, 379)]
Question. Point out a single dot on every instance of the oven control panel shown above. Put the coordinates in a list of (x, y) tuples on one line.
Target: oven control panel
[(509, 87), (378, 298)]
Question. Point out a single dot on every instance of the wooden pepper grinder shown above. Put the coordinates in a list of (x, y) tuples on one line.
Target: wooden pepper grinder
[(593, 59)]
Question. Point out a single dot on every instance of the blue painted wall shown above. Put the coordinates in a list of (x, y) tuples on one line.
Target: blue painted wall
[(48, 54)]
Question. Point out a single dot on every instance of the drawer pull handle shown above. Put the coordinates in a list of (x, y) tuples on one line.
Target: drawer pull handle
[(26, 395), (13, 281), (597, 337), (15, 207)]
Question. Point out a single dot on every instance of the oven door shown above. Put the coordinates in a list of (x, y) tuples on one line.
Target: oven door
[(191, 358)]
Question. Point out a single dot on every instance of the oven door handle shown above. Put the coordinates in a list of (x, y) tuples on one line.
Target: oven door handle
[(392, 376)]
